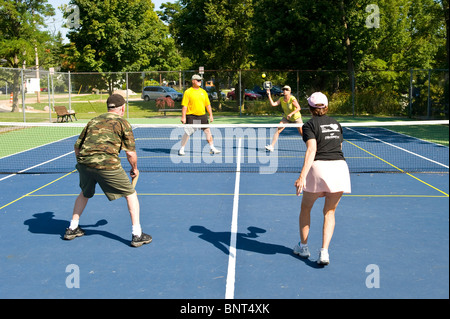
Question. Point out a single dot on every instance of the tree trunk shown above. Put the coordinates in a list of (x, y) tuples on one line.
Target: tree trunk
[(446, 14), (347, 43), (16, 85)]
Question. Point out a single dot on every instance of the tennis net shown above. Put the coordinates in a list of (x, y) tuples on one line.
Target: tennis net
[(369, 147)]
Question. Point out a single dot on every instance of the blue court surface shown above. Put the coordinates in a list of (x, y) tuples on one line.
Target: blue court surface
[(225, 235)]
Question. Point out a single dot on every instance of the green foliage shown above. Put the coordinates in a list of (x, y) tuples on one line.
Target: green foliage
[(310, 35), (119, 36), (213, 34), (19, 22), (20, 35)]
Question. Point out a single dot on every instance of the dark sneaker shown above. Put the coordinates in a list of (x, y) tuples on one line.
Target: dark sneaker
[(138, 241), (71, 234)]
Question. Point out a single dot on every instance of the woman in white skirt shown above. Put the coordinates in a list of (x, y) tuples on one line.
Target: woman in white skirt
[(324, 174)]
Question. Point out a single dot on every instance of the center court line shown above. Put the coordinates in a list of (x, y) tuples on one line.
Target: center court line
[(231, 273)]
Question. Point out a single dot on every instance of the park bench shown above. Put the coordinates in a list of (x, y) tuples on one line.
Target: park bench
[(63, 114), (169, 110), (166, 104)]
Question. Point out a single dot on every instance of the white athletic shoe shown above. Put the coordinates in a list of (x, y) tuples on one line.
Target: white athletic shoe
[(181, 152), (302, 251), (269, 148), (324, 258), (214, 151)]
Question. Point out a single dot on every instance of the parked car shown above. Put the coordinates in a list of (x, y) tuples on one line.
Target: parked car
[(249, 95), (212, 94), (155, 92), (274, 91), (172, 90)]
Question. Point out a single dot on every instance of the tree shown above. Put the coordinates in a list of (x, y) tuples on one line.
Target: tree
[(119, 36), (213, 33), (20, 22), (371, 40), (306, 34), (445, 9)]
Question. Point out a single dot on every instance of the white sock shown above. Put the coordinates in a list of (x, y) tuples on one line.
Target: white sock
[(74, 224), (182, 148), (302, 245), (136, 230)]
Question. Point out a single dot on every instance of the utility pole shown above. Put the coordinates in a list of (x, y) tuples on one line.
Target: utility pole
[(38, 92)]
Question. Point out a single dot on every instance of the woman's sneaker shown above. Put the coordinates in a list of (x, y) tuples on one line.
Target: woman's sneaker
[(214, 151), (324, 257), (138, 241), (72, 233), (270, 148), (302, 251)]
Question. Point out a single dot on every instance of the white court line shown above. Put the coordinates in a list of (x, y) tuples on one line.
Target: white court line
[(231, 274), (33, 148), (400, 148), (29, 168)]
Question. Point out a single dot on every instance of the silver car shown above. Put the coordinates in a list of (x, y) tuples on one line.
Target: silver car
[(155, 92)]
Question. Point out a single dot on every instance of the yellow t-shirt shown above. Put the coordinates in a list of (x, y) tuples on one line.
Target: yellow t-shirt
[(196, 101), (288, 107)]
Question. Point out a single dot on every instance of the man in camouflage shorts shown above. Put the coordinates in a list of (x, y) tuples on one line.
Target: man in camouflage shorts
[(97, 150)]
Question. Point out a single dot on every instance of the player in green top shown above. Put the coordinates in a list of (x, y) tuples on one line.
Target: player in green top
[(291, 110), (97, 150)]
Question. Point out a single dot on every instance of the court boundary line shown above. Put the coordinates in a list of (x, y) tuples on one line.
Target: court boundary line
[(37, 189), (410, 175), (400, 148), (256, 194), (37, 165), (231, 272), (36, 147)]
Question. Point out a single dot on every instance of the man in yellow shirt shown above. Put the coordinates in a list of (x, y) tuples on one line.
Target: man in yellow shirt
[(195, 101)]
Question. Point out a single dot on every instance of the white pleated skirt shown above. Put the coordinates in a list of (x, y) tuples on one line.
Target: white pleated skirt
[(328, 177)]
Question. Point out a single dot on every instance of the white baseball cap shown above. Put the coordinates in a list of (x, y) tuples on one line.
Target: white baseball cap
[(318, 100)]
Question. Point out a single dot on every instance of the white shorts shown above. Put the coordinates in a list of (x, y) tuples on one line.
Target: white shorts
[(328, 177)]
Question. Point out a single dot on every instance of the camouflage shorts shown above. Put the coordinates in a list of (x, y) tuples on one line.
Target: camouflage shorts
[(114, 183)]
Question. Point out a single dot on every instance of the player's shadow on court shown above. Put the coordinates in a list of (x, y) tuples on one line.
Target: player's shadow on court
[(247, 242), (45, 223)]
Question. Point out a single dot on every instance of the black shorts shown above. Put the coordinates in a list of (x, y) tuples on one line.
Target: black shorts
[(197, 119)]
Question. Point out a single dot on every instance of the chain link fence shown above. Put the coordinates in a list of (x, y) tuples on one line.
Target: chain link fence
[(31, 95)]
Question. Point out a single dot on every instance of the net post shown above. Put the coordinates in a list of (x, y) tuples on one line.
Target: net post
[(353, 92), (23, 95), (410, 92)]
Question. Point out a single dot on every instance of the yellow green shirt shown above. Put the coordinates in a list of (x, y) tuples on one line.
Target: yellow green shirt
[(289, 107), (196, 101)]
